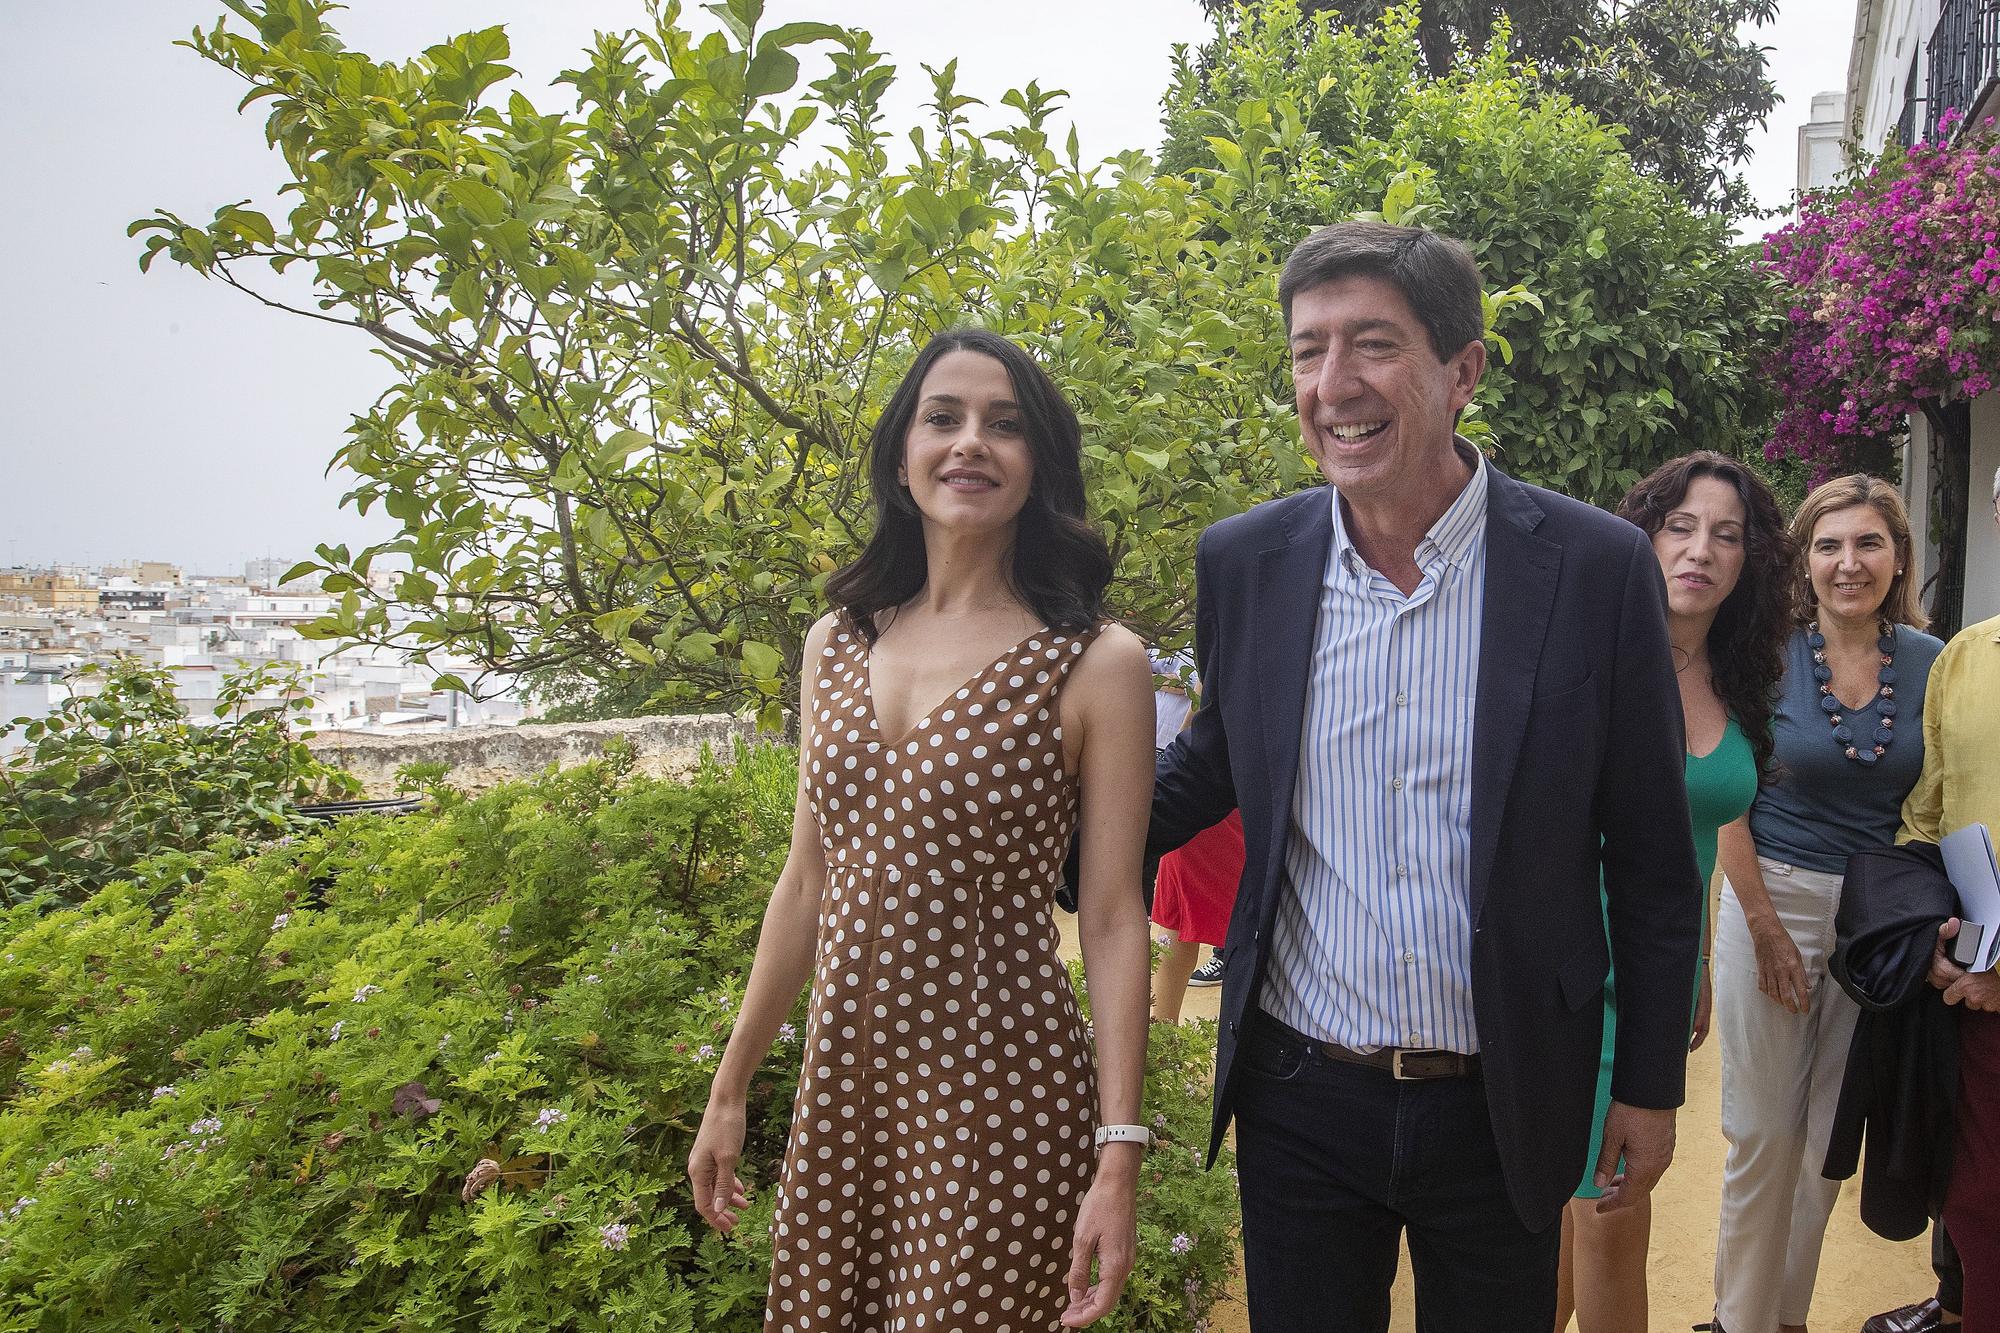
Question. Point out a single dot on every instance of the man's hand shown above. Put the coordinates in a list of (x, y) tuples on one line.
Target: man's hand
[(1704, 1012), (1645, 1139), (1944, 972)]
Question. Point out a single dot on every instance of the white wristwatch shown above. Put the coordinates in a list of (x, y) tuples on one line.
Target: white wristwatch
[(1138, 1134)]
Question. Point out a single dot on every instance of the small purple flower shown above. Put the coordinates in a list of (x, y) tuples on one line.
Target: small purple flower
[(365, 992), (280, 921), (333, 1033), (164, 1090), (614, 1236), (1183, 1242), (550, 1117), (706, 1052), (786, 1032)]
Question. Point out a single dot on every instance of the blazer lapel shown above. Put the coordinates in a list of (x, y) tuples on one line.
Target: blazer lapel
[(1521, 573), (1287, 609)]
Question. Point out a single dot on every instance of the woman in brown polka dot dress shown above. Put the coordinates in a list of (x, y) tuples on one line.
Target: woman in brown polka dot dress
[(965, 711)]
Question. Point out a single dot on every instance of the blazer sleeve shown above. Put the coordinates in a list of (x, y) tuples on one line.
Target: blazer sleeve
[(1652, 885), (1192, 786)]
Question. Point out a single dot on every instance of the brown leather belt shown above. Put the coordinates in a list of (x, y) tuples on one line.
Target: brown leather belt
[(1399, 1062)]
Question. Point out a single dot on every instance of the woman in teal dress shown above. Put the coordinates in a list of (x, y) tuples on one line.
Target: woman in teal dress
[(1727, 562)]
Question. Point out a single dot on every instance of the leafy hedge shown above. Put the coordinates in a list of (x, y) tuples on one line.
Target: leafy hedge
[(122, 771), (439, 1072)]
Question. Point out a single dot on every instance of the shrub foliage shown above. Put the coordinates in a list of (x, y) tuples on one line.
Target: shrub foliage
[(439, 1072), (119, 771)]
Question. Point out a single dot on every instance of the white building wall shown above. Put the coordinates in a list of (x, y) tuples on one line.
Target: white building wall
[(1982, 534), (1822, 154), (1889, 34)]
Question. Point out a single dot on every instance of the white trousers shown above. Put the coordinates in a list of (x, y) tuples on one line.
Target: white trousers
[(1781, 1076)]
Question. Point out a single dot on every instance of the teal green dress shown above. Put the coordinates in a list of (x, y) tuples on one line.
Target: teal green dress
[(1721, 784)]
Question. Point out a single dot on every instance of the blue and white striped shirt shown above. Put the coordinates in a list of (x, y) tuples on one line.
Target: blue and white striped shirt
[(1373, 945)]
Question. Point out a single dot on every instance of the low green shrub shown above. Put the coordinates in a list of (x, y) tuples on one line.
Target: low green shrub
[(440, 1072), (123, 772)]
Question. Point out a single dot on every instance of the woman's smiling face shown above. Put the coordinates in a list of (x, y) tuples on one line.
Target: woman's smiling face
[(966, 459), (1852, 561)]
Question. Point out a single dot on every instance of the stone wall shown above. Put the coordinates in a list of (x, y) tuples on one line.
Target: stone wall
[(483, 757)]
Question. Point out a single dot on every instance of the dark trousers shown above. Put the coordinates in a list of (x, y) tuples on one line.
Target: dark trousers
[(1950, 1272), (1336, 1161), (1972, 1201)]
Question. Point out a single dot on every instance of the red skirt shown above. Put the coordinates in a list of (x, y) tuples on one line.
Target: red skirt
[(1197, 884)]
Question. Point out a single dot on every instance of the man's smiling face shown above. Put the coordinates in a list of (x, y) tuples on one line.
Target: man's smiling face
[(1376, 406)]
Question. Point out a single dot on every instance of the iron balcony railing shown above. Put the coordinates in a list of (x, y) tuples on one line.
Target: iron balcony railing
[(1964, 60), (1910, 122)]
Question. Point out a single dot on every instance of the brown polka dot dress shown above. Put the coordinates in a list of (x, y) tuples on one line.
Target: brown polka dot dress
[(941, 1140)]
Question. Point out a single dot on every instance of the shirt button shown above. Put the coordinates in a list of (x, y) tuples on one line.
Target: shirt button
[(1401, 871), (1396, 783), (1416, 1037), (1401, 698), (1409, 955)]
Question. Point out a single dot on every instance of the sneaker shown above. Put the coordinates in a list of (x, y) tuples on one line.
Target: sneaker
[(1209, 973), (1923, 1317)]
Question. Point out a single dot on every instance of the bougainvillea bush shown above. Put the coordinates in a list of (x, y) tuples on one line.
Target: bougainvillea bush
[(1894, 291), (439, 1072)]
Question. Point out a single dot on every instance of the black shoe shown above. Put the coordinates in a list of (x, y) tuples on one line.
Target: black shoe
[(1926, 1316), (1209, 973)]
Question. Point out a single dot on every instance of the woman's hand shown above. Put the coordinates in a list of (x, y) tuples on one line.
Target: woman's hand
[(1107, 1228), (1704, 1012), (718, 1145), (1781, 972)]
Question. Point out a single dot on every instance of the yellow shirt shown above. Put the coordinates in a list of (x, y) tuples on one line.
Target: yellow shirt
[(1961, 778)]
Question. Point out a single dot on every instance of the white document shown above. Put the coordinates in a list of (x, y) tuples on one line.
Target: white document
[(1968, 860)]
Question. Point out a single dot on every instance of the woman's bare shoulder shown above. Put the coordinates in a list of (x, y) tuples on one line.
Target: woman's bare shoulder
[(1117, 659)]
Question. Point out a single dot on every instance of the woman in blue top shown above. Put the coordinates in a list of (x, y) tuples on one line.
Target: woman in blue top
[(1850, 744), (1727, 560)]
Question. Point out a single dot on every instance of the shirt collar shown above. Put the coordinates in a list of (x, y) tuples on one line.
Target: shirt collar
[(1455, 537)]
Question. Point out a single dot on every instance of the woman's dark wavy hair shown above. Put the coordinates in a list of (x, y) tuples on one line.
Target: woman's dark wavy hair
[(1061, 564), (1746, 644)]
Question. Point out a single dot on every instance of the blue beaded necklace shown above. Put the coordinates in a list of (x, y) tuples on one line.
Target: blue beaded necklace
[(1884, 700)]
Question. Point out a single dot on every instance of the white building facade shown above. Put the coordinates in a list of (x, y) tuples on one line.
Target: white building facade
[(1911, 62)]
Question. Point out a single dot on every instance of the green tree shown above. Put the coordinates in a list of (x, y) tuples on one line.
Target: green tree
[(638, 346), (1686, 78), (1649, 324)]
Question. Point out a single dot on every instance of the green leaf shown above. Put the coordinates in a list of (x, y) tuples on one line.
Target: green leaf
[(481, 202), (760, 660), (771, 72), (615, 624)]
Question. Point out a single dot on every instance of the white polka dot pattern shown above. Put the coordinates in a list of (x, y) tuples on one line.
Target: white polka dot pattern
[(941, 1139)]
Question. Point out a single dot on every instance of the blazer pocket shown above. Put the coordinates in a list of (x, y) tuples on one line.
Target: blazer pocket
[(1566, 691), (1581, 975)]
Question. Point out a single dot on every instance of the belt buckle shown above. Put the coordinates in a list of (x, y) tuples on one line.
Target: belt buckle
[(1396, 1065)]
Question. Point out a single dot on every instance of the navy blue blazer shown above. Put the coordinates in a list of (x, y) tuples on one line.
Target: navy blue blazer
[(1578, 754)]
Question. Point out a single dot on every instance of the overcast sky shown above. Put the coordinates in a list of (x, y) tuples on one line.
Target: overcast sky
[(164, 417)]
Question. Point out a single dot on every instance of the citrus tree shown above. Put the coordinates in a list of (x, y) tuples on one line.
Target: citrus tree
[(639, 344)]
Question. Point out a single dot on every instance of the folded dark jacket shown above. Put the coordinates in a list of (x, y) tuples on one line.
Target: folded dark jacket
[(1902, 1068)]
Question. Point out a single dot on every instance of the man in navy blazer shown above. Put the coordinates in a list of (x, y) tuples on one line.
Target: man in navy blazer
[(1444, 702)]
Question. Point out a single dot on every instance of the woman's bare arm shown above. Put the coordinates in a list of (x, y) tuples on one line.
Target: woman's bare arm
[(781, 969)]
